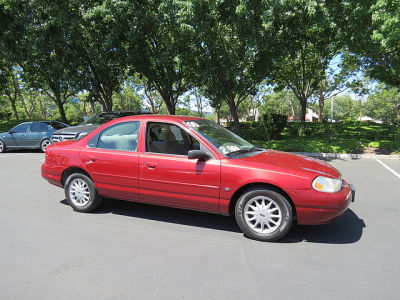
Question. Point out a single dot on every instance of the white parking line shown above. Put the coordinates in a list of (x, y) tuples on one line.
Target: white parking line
[(391, 170)]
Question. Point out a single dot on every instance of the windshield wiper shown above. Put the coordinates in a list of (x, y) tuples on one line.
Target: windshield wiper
[(245, 150)]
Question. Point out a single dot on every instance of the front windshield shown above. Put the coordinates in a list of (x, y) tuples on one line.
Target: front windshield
[(98, 119), (224, 140)]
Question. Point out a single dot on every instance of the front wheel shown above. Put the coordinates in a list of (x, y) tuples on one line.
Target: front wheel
[(264, 214), (44, 144), (81, 193), (2, 147)]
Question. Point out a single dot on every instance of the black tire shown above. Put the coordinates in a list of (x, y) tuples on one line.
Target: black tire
[(44, 144), (93, 201), (280, 212), (2, 147)]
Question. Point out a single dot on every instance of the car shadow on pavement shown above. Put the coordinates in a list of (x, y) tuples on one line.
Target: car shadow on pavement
[(24, 151), (345, 230), (167, 214)]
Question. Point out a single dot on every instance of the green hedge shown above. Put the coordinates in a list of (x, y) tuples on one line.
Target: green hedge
[(341, 137), (7, 125)]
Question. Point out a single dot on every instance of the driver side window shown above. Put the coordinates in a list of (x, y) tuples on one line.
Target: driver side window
[(169, 139), (21, 128)]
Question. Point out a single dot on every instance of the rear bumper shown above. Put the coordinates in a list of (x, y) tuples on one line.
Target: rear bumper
[(314, 207), (53, 174)]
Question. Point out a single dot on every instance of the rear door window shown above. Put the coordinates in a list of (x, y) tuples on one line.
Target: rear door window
[(39, 127), (122, 136)]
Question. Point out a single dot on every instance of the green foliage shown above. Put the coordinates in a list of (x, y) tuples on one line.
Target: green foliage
[(370, 28), (273, 125), (384, 105), (312, 145), (341, 137), (308, 40), (282, 102), (7, 125), (231, 58), (159, 45), (344, 108)]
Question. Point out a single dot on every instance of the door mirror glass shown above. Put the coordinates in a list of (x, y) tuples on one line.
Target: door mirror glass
[(198, 154)]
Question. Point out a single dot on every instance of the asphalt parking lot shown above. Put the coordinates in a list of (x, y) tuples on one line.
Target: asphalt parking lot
[(136, 251)]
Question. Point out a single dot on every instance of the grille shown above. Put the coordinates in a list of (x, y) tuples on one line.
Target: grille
[(62, 137)]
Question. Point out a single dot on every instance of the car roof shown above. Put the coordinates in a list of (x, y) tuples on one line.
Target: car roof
[(164, 118)]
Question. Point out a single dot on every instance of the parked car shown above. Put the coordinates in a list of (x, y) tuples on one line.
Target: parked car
[(29, 135), (90, 124), (193, 163)]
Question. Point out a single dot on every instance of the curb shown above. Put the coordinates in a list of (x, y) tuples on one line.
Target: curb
[(349, 155)]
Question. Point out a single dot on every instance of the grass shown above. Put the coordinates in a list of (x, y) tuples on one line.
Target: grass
[(343, 137)]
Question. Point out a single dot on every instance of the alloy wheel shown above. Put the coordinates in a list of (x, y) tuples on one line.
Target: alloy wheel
[(79, 192), (262, 214)]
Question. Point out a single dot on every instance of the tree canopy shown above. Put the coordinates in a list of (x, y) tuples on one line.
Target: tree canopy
[(106, 53)]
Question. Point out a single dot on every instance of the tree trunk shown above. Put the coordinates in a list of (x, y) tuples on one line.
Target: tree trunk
[(303, 118), (84, 111), (42, 109), (321, 104), (234, 113), (27, 111), (14, 107), (93, 107), (321, 100), (169, 102), (107, 104), (60, 106)]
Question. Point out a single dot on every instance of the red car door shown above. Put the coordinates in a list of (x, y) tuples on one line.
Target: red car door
[(167, 176), (112, 161)]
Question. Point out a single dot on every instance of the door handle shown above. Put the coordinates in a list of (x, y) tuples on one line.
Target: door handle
[(91, 159), (150, 164)]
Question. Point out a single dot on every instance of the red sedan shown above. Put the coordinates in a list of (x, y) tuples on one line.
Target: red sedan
[(193, 163)]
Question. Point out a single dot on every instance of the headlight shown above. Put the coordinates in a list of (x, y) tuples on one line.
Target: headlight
[(327, 185)]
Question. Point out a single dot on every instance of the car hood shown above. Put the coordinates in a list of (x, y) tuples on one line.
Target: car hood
[(76, 129), (299, 164)]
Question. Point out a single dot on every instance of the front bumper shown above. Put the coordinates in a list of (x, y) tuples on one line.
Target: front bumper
[(314, 207)]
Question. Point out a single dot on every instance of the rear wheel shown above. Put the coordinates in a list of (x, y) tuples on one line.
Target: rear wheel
[(2, 147), (44, 144), (264, 214), (81, 193)]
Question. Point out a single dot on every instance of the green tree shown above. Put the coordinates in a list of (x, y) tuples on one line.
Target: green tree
[(231, 61), (10, 85), (384, 105), (308, 39), (344, 108), (158, 43), (283, 103), (337, 79), (371, 29)]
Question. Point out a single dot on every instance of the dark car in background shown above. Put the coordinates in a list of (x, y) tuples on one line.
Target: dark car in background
[(90, 124), (29, 135)]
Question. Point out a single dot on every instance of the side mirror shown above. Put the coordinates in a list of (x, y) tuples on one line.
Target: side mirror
[(198, 154), (11, 131)]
